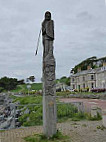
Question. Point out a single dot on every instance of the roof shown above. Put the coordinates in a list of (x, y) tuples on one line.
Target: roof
[(91, 71)]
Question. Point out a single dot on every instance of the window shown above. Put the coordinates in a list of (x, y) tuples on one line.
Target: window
[(103, 85), (92, 85), (79, 87), (84, 85), (83, 78), (73, 86), (72, 79), (92, 77)]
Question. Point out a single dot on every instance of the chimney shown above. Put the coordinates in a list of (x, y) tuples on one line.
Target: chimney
[(104, 64)]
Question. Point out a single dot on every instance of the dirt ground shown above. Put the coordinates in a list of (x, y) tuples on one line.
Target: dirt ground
[(87, 102), (80, 131), (85, 131)]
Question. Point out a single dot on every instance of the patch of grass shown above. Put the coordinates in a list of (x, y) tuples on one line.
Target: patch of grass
[(36, 86), (28, 100), (65, 112), (18, 89), (58, 137), (101, 127), (75, 119), (84, 125), (1, 131), (23, 88), (74, 123), (97, 117), (79, 116), (63, 94), (33, 116)]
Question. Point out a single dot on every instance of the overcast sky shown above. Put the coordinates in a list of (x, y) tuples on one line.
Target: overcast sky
[(80, 32)]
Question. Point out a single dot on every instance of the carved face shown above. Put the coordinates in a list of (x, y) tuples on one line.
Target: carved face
[(47, 16)]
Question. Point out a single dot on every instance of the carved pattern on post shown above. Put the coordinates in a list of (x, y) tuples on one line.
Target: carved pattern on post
[(49, 87)]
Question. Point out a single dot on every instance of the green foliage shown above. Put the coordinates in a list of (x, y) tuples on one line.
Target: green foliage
[(64, 77), (36, 86), (1, 89), (24, 90), (83, 65), (101, 127), (8, 83), (83, 89), (58, 137), (34, 117), (79, 116), (63, 94), (21, 82), (97, 117), (68, 81), (66, 111), (31, 78), (29, 100), (64, 80)]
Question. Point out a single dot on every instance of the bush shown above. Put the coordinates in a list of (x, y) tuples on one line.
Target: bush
[(98, 117), (58, 137), (1, 89), (66, 110), (34, 116), (98, 90), (63, 94)]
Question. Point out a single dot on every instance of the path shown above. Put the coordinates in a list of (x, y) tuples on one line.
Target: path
[(82, 131)]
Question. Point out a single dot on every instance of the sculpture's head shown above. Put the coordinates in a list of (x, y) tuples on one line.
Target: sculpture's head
[(47, 16)]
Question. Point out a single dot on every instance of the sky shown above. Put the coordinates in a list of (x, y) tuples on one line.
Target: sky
[(80, 33)]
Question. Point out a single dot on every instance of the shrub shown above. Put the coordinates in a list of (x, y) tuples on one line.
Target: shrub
[(98, 117), (98, 90)]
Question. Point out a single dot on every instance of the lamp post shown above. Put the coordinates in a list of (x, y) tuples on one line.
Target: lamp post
[(28, 87)]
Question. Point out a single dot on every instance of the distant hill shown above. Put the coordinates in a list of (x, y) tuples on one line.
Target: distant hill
[(23, 88), (38, 86), (92, 62)]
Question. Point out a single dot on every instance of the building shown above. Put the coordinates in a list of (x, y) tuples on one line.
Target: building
[(90, 78)]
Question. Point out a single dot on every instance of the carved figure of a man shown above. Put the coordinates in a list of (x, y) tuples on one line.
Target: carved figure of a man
[(48, 35)]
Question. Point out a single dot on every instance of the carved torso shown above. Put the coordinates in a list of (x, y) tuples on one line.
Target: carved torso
[(48, 29)]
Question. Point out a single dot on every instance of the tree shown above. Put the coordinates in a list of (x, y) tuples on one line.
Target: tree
[(68, 81), (8, 83), (21, 82), (32, 78), (1, 89)]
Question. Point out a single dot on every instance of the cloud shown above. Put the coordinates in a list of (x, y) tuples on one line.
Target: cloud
[(80, 31)]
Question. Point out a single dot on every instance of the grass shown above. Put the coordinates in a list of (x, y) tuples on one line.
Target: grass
[(28, 100), (1, 131), (58, 137), (63, 94), (34, 117), (93, 118), (23, 88), (101, 127)]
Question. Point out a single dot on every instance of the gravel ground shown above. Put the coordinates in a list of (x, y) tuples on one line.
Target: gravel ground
[(84, 131), (80, 131)]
